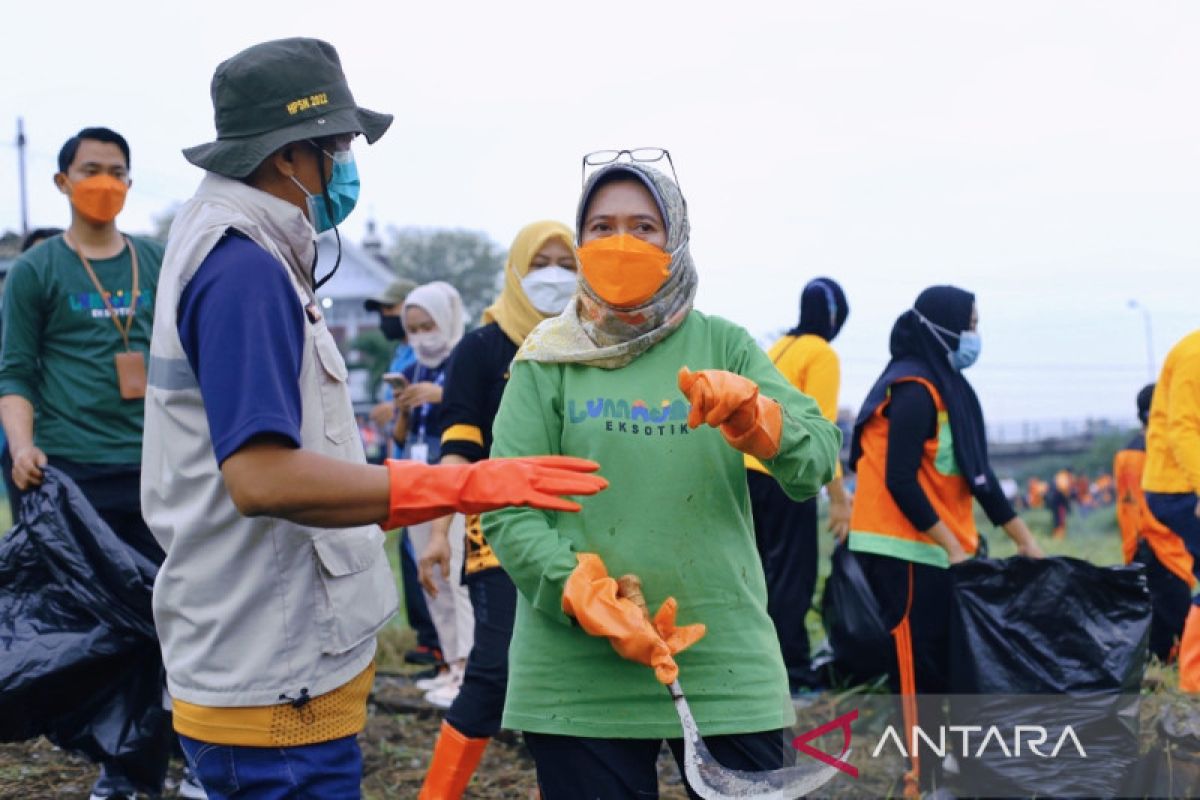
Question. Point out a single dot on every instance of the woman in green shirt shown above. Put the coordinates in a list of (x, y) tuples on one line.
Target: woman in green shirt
[(667, 399)]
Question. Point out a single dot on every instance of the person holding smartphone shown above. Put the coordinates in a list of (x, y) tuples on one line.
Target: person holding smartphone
[(433, 320)]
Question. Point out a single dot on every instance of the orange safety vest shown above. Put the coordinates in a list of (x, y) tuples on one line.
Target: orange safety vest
[(877, 525), (1135, 519)]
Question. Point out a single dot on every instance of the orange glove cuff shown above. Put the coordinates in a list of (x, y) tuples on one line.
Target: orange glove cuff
[(762, 438), (418, 492), (748, 421)]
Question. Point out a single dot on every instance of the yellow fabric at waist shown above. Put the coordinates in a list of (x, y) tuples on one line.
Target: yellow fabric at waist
[(333, 715)]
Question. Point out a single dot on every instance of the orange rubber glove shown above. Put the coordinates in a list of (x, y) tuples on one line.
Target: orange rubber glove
[(748, 421), (590, 596), (421, 492)]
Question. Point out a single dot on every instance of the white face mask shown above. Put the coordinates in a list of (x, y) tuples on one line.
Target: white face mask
[(550, 288), (431, 347)]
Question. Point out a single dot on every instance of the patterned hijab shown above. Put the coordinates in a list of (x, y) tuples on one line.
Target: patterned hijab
[(513, 311), (594, 333)]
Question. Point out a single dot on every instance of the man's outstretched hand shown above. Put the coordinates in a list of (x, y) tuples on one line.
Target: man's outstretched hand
[(420, 492)]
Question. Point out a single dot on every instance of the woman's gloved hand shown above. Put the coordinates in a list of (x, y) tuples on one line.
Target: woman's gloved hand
[(748, 421), (591, 597), (421, 492)]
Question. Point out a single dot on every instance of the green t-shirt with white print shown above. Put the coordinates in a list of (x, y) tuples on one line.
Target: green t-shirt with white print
[(676, 513), (59, 342)]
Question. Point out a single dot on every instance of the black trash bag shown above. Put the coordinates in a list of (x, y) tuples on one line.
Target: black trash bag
[(1051, 627), (79, 660), (1170, 767), (862, 646)]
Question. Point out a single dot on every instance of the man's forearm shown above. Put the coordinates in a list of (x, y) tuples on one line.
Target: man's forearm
[(16, 414), (275, 480)]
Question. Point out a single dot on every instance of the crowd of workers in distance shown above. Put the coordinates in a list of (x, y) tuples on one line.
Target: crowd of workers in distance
[(212, 429)]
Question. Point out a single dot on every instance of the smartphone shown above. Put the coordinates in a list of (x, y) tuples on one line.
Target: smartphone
[(396, 380)]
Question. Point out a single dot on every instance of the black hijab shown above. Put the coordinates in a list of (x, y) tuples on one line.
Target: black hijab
[(823, 309), (916, 352)]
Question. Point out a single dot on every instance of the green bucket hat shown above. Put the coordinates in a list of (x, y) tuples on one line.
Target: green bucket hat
[(275, 93)]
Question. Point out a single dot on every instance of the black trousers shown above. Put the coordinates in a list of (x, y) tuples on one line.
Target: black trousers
[(786, 534), (1170, 599), (115, 491), (580, 768), (892, 581), (477, 709), (415, 608), (928, 616)]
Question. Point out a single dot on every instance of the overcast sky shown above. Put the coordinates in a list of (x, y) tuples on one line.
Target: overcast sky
[(1045, 155)]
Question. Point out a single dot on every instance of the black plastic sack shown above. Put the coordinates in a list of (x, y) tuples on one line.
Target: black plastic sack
[(862, 646), (1171, 765), (79, 661), (1052, 626)]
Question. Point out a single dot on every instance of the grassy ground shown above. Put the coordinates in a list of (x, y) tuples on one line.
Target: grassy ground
[(401, 729)]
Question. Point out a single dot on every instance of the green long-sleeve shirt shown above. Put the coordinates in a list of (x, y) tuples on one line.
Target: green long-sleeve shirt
[(676, 513), (58, 348)]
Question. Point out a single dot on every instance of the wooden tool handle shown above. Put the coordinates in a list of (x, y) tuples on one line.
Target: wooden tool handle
[(630, 587)]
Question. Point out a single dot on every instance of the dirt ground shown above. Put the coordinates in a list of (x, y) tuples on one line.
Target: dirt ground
[(396, 745)]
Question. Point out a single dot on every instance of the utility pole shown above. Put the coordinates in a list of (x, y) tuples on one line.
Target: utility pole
[(21, 177), (1149, 339)]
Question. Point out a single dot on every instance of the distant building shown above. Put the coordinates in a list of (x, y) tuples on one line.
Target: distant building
[(363, 274)]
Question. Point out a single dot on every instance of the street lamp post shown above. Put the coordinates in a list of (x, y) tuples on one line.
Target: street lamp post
[(1149, 338)]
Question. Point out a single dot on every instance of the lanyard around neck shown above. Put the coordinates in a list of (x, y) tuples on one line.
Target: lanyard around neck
[(112, 312)]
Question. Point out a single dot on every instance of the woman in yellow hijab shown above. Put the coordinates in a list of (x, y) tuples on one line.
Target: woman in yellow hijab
[(539, 282), (539, 279)]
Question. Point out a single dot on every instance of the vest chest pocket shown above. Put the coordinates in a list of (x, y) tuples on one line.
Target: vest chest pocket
[(356, 591), (335, 395)]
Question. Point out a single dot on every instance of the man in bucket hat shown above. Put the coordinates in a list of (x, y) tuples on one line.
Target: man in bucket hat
[(254, 480)]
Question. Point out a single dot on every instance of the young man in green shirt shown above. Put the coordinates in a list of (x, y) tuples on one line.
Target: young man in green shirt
[(78, 310)]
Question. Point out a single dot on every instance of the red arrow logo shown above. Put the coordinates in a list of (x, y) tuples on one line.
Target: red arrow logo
[(843, 722)]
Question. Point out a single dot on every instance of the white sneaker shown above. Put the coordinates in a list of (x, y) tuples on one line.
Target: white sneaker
[(443, 696), (436, 682)]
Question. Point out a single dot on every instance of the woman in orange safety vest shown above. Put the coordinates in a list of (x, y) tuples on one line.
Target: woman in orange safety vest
[(921, 456)]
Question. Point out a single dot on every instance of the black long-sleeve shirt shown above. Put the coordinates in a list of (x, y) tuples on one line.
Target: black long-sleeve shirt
[(912, 418)]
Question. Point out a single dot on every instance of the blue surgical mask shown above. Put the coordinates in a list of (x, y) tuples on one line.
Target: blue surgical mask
[(342, 190), (969, 343), (967, 352)]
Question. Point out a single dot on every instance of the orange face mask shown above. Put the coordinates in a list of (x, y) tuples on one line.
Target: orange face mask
[(99, 198), (623, 270)]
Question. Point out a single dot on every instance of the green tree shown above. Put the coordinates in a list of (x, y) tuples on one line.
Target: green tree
[(162, 222), (467, 260), (376, 352)]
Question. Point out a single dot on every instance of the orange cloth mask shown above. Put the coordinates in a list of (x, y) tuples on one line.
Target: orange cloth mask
[(623, 270), (99, 198)]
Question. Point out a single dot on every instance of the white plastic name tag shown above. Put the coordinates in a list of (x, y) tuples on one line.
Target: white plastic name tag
[(419, 452)]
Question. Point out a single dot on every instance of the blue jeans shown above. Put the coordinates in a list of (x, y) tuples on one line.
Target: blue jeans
[(330, 770)]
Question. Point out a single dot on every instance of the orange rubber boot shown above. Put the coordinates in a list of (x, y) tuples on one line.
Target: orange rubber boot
[(1189, 653), (455, 757)]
